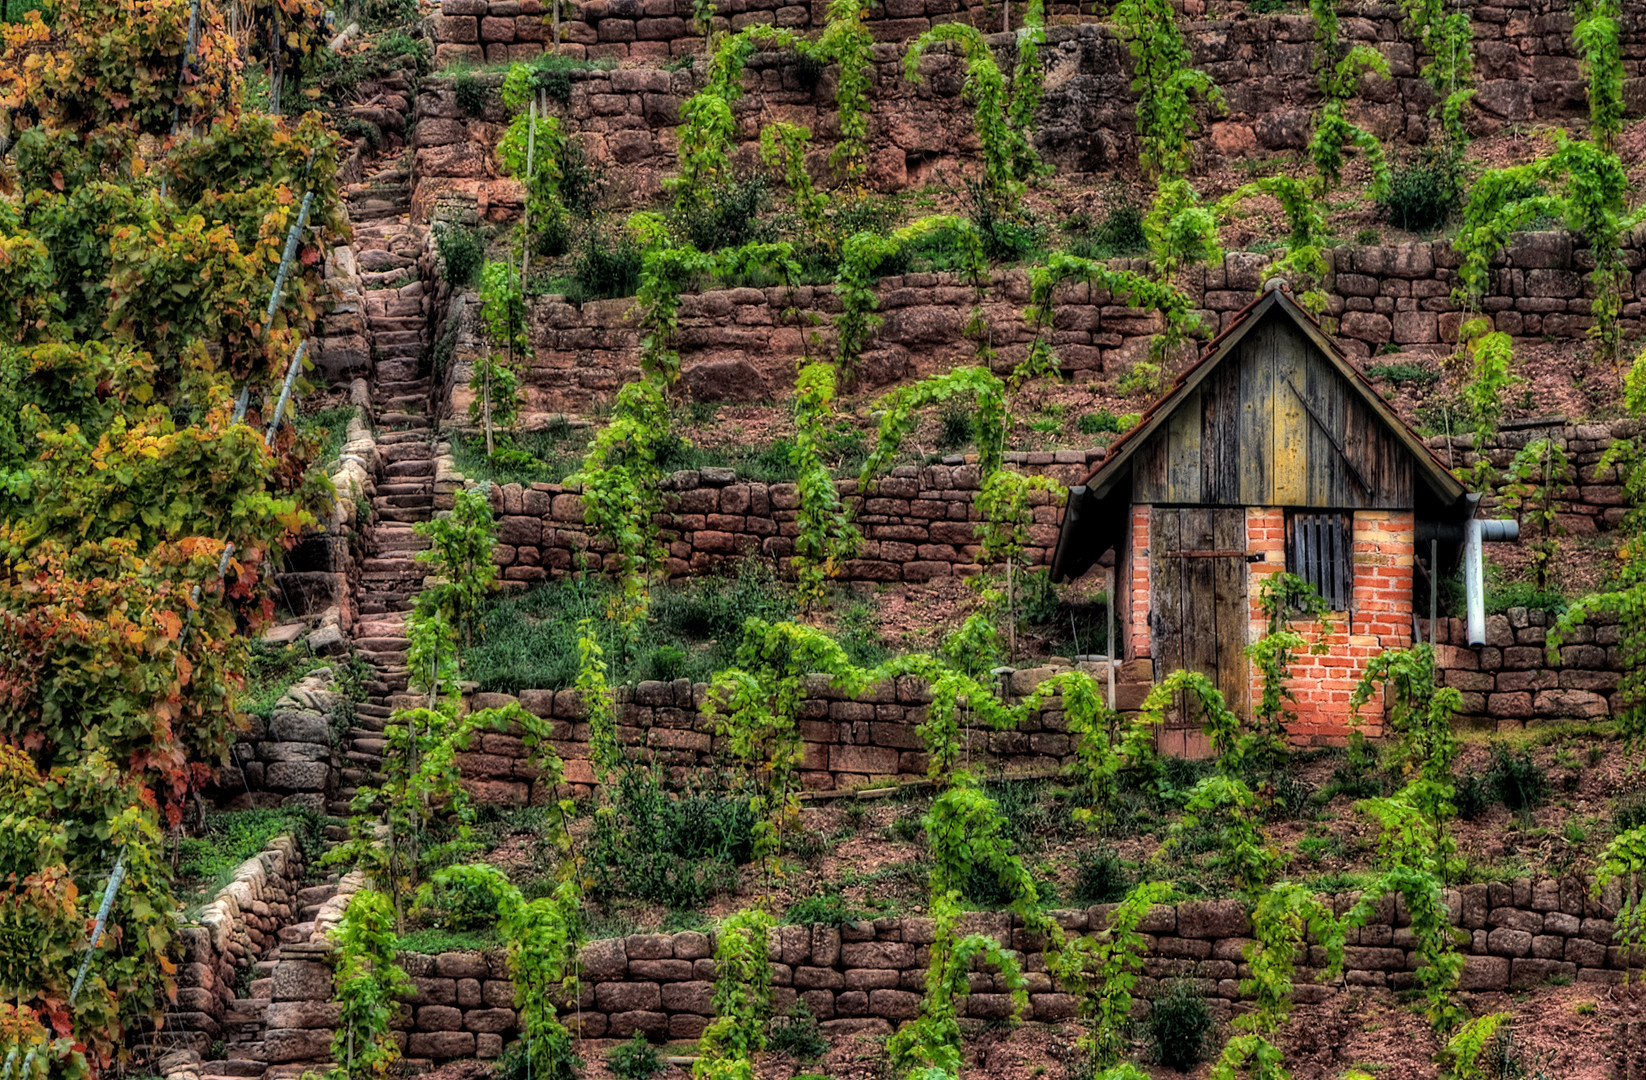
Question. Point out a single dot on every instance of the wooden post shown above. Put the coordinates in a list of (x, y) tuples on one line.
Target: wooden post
[(1109, 648)]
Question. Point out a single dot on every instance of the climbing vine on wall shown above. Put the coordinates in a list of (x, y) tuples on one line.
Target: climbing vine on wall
[(1166, 84), (1001, 115), (1176, 309), (1581, 183), (1338, 71), (825, 536), (1447, 39), (1101, 972)]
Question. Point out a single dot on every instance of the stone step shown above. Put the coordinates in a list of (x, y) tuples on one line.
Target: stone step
[(396, 438), (410, 467), (416, 488), (236, 1067), (416, 447), (380, 644), (395, 324), (406, 420), (425, 499), (412, 516), (380, 657)]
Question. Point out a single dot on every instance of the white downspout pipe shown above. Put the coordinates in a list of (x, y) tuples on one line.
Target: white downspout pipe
[(1474, 585)]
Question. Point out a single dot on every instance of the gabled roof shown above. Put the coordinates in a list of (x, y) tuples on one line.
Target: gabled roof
[(1093, 521), (1429, 467)]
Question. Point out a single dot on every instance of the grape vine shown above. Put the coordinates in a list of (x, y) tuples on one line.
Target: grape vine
[(1166, 85)]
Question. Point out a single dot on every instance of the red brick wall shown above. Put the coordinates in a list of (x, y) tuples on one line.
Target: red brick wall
[(1380, 617), (1138, 644)]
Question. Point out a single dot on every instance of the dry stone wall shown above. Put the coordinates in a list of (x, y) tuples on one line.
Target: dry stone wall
[(740, 345), (1511, 681), (1593, 503), (849, 742), (238, 928), (870, 976), (294, 757), (916, 523), (1264, 64)]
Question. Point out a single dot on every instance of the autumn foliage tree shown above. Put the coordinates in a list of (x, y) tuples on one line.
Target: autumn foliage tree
[(140, 508)]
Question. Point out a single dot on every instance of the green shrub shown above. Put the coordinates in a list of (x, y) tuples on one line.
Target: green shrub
[(1266, 7), (14, 10), (1121, 233), (826, 909), (729, 217), (1629, 812), (1096, 423), (1472, 795), (606, 267), (1518, 781), (798, 1035), (1006, 237), (674, 850), (956, 427), (470, 93), (1179, 1024), (1422, 194), (462, 252), (529, 640), (1503, 595), (1403, 372), (634, 1060), (667, 663)]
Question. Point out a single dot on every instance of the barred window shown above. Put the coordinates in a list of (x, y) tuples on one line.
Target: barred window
[(1320, 550)]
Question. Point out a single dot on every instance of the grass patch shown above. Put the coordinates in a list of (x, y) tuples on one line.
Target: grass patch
[(429, 942), (529, 641), (231, 837), (271, 671), (1403, 372), (543, 456), (330, 429)]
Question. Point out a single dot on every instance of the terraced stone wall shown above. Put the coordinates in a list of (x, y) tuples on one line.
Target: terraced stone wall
[(1264, 64), (916, 523), (236, 929), (742, 344), (849, 742), (870, 976)]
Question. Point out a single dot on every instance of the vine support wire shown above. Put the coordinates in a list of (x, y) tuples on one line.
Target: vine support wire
[(182, 73), (293, 235), (115, 878)]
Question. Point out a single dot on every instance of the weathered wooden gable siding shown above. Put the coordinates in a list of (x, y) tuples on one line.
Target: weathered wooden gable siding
[(1244, 436)]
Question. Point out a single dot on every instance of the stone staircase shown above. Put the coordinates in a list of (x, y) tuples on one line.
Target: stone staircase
[(392, 254)]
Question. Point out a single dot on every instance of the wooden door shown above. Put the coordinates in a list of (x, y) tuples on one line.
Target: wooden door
[(1197, 617)]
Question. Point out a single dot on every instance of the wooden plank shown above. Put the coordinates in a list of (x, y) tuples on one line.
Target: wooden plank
[(1256, 420), (1200, 639), (1220, 436), (1229, 579), (1149, 473), (1183, 483), (1165, 591), (1294, 460)]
